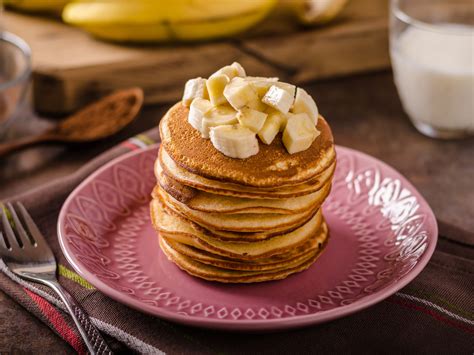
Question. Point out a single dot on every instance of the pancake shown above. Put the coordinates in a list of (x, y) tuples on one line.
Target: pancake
[(271, 167), (177, 228), (211, 203), (213, 259), (241, 222), (213, 273), (165, 164), (260, 265), (235, 236)]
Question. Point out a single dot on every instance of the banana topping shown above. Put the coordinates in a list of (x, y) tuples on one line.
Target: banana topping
[(194, 88), (251, 118), (278, 98), (218, 116), (215, 87), (304, 103), (235, 141), (271, 127), (196, 112), (232, 109), (240, 93), (299, 133)]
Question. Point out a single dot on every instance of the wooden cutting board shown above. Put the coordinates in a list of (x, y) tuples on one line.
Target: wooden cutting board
[(71, 68)]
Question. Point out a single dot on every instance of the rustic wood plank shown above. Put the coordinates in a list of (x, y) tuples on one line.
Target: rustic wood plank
[(71, 68), (336, 51)]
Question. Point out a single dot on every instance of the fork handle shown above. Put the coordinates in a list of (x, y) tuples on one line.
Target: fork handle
[(92, 338)]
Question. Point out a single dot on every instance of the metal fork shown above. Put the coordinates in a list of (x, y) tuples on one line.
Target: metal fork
[(26, 253)]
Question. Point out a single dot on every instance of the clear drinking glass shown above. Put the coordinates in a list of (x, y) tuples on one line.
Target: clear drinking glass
[(15, 70), (432, 52)]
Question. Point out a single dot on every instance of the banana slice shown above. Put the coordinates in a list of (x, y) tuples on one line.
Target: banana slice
[(261, 84), (215, 87), (240, 93), (252, 119), (299, 134), (257, 104), (304, 103), (278, 98), (232, 71), (218, 116), (234, 141), (291, 89), (194, 88), (271, 127), (239, 68), (282, 118), (196, 112)]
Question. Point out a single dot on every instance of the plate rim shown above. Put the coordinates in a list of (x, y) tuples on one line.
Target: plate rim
[(244, 325)]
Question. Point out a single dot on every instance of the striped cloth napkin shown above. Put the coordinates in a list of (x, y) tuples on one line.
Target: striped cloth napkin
[(433, 314)]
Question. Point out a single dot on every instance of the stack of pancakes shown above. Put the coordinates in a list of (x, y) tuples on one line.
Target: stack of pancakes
[(233, 220)]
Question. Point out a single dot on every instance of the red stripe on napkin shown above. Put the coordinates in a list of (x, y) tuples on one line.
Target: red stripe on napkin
[(58, 322)]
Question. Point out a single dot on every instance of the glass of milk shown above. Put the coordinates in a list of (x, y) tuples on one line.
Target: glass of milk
[(432, 52)]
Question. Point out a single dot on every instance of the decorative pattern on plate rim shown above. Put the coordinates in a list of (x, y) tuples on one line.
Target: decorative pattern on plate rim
[(89, 219)]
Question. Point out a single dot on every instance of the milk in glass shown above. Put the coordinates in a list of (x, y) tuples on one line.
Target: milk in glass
[(434, 73)]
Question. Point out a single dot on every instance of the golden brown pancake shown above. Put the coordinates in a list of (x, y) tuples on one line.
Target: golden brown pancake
[(203, 256), (213, 203), (263, 264), (271, 167), (177, 228), (166, 165), (240, 222), (213, 273), (234, 236)]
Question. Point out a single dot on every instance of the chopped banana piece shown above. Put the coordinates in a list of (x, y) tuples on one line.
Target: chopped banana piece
[(218, 116), (234, 141), (304, 103), (240, 93), (288, 87), (257, 104), (299, 134), (278, 98), (239, 68), (196, 112), (260, 84), (194, 88), (271, 127), (284, 121), (251, 118), (233, 70), (215, 87), (278, 116)]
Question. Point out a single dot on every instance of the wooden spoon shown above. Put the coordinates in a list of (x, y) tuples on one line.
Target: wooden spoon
[(96, 121)]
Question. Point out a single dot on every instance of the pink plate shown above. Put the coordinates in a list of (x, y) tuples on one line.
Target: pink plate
[(382, 235)]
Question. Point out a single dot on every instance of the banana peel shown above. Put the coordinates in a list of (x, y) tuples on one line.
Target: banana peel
[(163, 21)]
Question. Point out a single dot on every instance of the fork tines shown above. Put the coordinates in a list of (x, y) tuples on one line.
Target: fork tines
[(18, 232)]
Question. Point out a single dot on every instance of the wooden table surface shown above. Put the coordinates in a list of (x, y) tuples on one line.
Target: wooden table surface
[(364, 112)]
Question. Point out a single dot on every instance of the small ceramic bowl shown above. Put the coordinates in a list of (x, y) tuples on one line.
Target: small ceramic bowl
[(15, 70)]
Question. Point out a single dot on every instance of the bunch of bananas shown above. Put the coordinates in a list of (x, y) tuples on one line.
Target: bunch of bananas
[(170, 20)]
